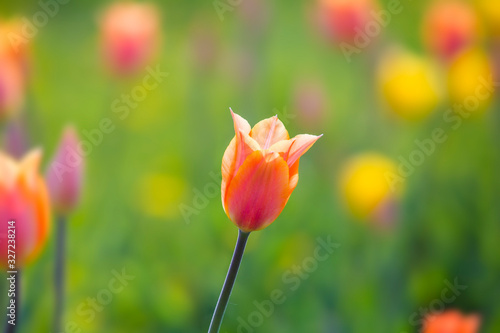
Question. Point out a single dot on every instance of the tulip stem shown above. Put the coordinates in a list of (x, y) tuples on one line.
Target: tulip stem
[(59, 272), (220, 309), (9, 328)]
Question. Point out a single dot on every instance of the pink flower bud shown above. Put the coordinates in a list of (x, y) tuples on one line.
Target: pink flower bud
[(65, 173), (129, 36)]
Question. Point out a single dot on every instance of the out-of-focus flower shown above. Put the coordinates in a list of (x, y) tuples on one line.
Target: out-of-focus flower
[(450, 26), (366, 188), (24, 200), (490, 11), (470, 81), (11, 87), (14, 44), (344, 20), (409, 84), (65, 174), (260, 171), (451, 321), (13, 68), (310, 103), (129, 36)]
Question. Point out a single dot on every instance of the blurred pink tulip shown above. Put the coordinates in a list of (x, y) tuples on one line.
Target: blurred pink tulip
[(129, 36), (343, 20), (65, 174)]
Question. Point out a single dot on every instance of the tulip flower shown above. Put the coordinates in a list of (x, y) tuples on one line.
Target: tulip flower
[(259, 173), (449, 27), (23, 199), (64, 176), (451, 321), (11, 87), (365, 185), (470, 82), (344, 20), (409, 84), (129, 36), (64, 179)]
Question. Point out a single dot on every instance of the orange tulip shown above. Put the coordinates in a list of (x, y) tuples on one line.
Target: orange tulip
[(260, 171), (13, 59), (451, 321), (24, 200), (129, 36)]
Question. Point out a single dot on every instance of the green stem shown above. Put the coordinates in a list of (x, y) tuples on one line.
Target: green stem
[(229, 282), (59, 272)]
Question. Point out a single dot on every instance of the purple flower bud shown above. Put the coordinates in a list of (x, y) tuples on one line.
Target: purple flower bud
[(65, 173)]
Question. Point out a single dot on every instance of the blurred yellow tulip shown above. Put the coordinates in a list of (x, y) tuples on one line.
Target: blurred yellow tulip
[(364, 184), (409, 84), (470, 81)]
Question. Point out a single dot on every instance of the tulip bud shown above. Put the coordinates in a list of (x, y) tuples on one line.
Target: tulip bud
[(24, 202), (449, 27), (451, 321), (129, 36), (64, 176), (409, 84), (260, 171), (367, 188), (470, 82)]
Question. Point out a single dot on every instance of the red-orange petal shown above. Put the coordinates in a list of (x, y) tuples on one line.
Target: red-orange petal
[(258, 192)]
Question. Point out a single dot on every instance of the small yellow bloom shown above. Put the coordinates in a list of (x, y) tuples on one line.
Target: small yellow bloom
[(409, 84), (365, 184)]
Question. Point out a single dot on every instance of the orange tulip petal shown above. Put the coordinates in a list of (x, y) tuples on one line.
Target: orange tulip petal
[(259, 191), (236, 154), (269, 131), (301, 144)]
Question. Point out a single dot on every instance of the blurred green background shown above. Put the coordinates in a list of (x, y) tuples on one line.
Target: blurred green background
[(160, 157)]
